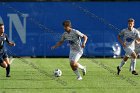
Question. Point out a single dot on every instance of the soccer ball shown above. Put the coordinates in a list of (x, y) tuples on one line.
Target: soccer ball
[(57, 72)]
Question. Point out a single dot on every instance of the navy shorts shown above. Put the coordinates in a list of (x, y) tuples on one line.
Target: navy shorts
[(3, 56)]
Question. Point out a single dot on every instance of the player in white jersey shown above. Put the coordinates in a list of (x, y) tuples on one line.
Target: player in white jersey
[(137, 49), (137, 45), (129, 34), (76, 47)]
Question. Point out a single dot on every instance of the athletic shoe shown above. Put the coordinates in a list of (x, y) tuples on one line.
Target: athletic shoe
[(8, 76), (134, 73), (118, 70), (79, 78), (84, 71)]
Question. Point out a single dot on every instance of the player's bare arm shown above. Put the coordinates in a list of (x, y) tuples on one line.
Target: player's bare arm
[(121, 41), (85, 40), (57, 44)]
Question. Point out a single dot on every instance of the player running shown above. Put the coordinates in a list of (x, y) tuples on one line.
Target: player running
[(137, 45), (4, 60), (76, 47), (129, 34), (137, 49)]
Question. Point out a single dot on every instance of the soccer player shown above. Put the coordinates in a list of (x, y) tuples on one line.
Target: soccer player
[(129, 34), (137, 49), (4, 60), (137, 45), (76, 47)]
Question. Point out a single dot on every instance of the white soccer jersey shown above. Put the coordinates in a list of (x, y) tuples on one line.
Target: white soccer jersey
[(137, 46), (129, 37), (74, 39)]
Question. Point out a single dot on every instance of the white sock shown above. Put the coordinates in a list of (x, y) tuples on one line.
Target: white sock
[(77, 73), (80, 66), (133, 64), (121, 64)]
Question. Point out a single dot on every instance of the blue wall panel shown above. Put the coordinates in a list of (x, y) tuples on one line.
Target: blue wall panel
[(42, 24)]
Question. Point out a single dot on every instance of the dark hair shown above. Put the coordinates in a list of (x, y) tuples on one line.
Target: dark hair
[(1, 24), (131, 20), (66, 23)]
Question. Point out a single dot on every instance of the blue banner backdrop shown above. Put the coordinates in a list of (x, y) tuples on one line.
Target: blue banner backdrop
[(35, 27)]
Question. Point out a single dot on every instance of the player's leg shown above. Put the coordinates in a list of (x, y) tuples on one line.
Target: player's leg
[(3, 64), (128, 53), (124, 60), (83, 68), (133, 62), (74, 64), (74, 67), (8, 67), (121, 64), (130, 69), (6, 59), (137, 51)]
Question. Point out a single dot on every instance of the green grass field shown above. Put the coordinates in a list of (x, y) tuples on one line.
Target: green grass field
[(35, 75)]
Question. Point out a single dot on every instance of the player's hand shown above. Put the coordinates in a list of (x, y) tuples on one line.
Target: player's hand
[(124, 44), (83, 45), (12, 44)]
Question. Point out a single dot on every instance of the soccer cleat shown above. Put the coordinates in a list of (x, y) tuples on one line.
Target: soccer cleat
[(134, 73), (8, 76), (118, 69), (84, 71), (79, 78)]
